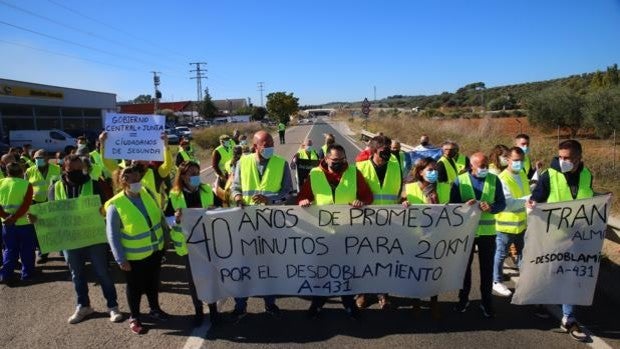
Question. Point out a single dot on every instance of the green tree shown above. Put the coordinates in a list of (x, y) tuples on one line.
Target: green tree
[(258, 113), (143, 99), (611, 78), (207, 108), (556, 106), (602, 111), (281, 105)]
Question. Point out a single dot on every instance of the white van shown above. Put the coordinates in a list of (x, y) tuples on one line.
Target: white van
[(50, 140)]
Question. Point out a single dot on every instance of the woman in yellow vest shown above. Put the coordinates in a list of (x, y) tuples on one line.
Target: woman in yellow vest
[(188, 192), (135, 233), (426, 190), (498, 159)]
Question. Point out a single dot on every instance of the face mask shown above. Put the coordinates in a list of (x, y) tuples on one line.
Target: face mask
[(227, 144), (503, 161), (309, 148), (517, 166), (385, 154), (482, 172), (243, 142), (395, 152), (135, 187), (525, 149), (566, 166), (451, 153), (267, 152), (194, 181), (61, 161), (75, 176), (337, 166), (431, 176), (424, 144), (39, 162)]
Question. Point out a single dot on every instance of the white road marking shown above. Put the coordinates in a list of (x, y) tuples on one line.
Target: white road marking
[(197, 338)]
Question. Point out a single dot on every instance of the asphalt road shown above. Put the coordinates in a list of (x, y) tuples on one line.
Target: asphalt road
[(35, 315)]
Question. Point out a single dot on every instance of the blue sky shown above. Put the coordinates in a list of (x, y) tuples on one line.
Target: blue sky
[(322, 51)]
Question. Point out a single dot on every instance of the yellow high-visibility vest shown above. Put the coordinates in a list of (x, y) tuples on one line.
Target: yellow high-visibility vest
[(513, 222), (40, 184), (451, 172), (560, 191), (12, 194), (415, 195), (345, 193), (304, 156), (486, 225), (252, 183), (177, 199), (60, 192), (225, 155), (389, 193)]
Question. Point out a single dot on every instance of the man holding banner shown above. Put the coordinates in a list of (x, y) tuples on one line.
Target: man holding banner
[(480, 186), (260, 178), (72, 184), (567, 179), (334, 182)]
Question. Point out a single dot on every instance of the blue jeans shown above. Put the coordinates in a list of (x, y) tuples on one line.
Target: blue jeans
[(568, 311), (502, 242), (19, 242), (241, 304), (76, 259)]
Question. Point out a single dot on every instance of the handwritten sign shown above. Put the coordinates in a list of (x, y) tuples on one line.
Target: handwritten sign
[(69, 224), (562, 252), (418, 251), (134, 137)]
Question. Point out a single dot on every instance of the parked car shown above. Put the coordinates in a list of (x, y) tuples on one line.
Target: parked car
[(173, 139), (183, 131)]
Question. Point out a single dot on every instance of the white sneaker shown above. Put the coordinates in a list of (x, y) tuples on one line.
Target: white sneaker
[(80, 314), (501, 289), (115, 315)]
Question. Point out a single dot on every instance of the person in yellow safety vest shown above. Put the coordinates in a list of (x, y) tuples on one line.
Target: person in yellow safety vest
[(498, 159), (424, 189), (329, 140), (186, 153), (282, 132), (567, 179), (334, 182), (303, 161), (136, 236), (96, 158), (231, 164), (522, 141), (512, 222), (451, 164), (18, 235), (401, 157), (260, 178), (189, 192), (25, 160), (219, 157), (73, 183), (384, 177), (484, 188), (152, 175), (4, 161), (41, 175)]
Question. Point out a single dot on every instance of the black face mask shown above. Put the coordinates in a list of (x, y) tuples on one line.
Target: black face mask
[(385, 154), (337, 166), (424, 144), (76, 176), (452, 153), (395, 152)]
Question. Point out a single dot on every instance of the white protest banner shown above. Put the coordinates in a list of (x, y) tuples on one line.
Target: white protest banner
[(562, 252), (418, 251), (134, 137)]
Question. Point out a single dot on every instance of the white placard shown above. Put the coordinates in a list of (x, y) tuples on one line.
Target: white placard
[(418, 251), (134, 137), (562, 252)]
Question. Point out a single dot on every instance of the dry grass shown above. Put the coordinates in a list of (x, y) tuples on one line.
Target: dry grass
[(483, 134)]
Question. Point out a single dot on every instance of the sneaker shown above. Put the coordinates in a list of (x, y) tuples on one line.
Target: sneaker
[(115, 315), (313, 312), (135, 326), (238, 314), (272, 310), (42, 259), (159, 315), (501, 290), (540, 312), (80, 314), (354, 313), (487, 311), (461, 306), (384, 302), (574, 330)]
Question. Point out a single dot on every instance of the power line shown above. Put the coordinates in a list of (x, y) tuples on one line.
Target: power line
[(261, 88), (200, 74), (111, 26), (74, 28)]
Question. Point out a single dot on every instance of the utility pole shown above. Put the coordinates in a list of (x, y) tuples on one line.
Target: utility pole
[(200, 74), (261, 88), (375, 89), (157, 96)]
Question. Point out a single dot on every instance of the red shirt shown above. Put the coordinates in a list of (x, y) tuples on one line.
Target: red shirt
[(363, 190), (363, 155)]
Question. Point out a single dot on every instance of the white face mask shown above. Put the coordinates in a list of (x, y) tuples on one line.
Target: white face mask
[(566, 166), (135, 187), (503, 161)]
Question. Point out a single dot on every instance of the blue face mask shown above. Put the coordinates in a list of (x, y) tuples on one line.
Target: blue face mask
[(482, 172), (194, 181), (267, 152), (243, 142), (525, 149), (431, 176), (309, 148), (517, 166), (61, 161), (39, 162)]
